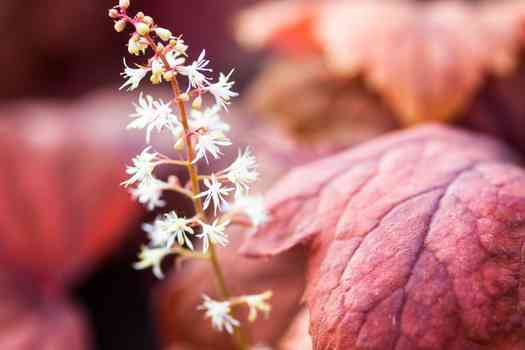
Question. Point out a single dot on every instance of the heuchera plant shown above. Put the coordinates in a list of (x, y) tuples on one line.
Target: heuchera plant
[(199, 133)]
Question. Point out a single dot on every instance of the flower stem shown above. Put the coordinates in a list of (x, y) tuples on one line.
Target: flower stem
[(194, 178)]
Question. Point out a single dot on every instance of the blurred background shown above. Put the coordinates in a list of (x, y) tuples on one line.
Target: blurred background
[(315, 77), (63, 49)]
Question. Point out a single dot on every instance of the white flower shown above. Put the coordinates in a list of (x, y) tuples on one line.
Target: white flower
[(136, 45), (219, 312), (173, 58), (148, 193), (257, 303), (163, 33), (208, 120), (214, 193), (242, 172), (142, 168), (157, 236), (153, 115), (177, 228), (152, 257), (157, 69), (194, 71), (133, 75), (180, 48), (253, 207), (213, 234), (221, 90), (209, 143)]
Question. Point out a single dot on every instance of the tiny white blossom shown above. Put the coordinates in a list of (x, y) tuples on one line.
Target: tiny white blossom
[(136, 45), (149, 193), (174, 59), (153, 115), (209, 143), (142, 168), (163, 33), (133, 75), (258, 302), (215, 193), (213, 234), (180, 47), (221, 90), (157, 69), (157, 236), (220, 314), (177, 227), (208, 120), (194, 71), (253, 207), (242, 172), (152, 257)]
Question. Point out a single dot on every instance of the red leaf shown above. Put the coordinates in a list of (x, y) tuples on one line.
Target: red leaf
[(61, 203), (332, 111), (30, 323), (291, 28), (415, 242), (427, 60), (61, 211)]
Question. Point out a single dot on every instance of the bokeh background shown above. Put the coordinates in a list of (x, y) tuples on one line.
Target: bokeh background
[(61, 116), (69, 233), (64, 49)]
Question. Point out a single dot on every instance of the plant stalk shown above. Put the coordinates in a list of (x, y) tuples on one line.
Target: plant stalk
[(194, 178)]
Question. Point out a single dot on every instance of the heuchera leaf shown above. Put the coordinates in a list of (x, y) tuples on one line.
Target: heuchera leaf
[(61, 211), (297, 336), (426, 60), (30, 322), (61, 203), (333, 111), (415, 242)]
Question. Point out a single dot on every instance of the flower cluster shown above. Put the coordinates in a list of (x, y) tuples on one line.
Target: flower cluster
[(200, 135), (220, 311)]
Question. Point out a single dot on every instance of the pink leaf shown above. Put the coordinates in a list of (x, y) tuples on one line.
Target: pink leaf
[(415, 242)]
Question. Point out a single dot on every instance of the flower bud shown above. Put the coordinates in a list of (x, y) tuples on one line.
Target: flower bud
[(120, 25), (155, 79), (136, 46), (184, 97), (124, 4), (162, 33), (157, 67), (197, 103), (142, 28), (113, 13), (140, 15), (168, 76), (179, 145), (180, 48), (148, 20)]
